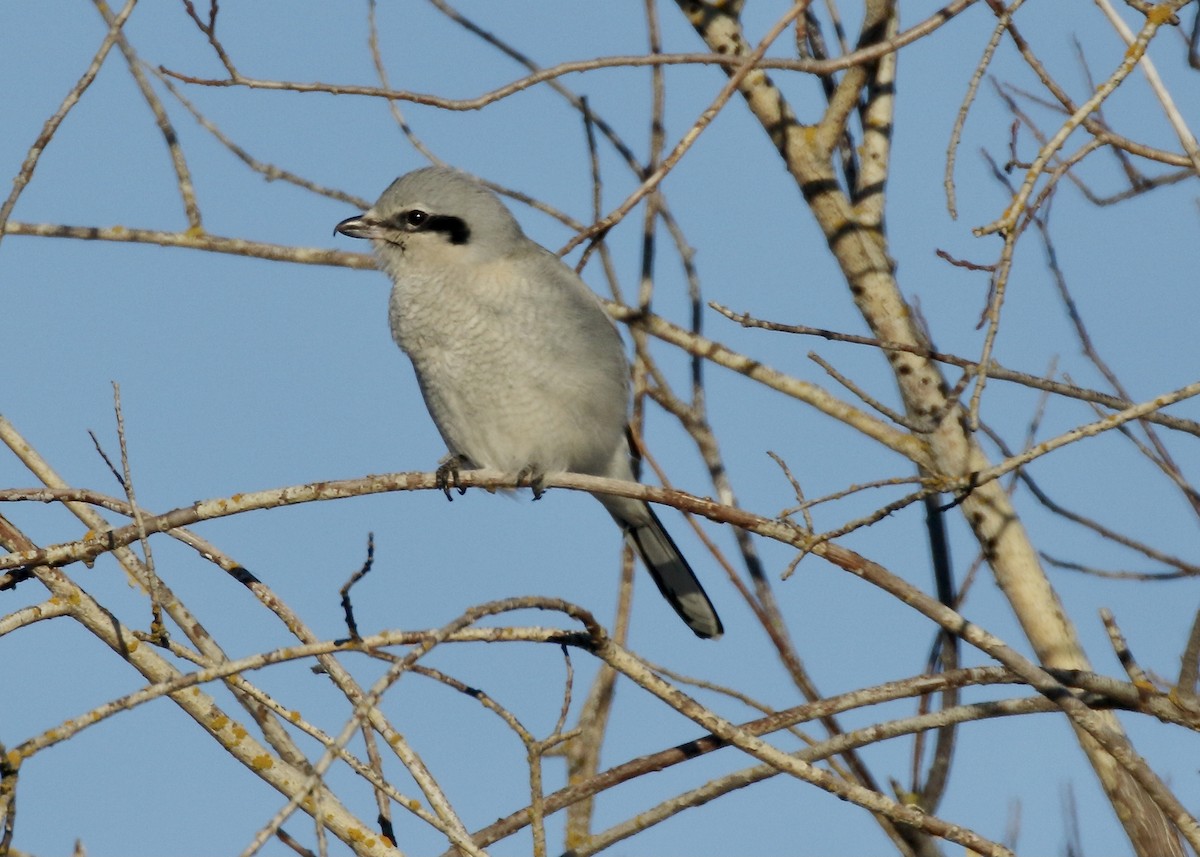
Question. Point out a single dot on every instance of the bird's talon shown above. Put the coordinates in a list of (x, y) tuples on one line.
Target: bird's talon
[(446, 476), (535, 480)]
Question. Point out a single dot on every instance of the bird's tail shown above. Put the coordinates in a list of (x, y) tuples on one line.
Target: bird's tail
[(674, 577)]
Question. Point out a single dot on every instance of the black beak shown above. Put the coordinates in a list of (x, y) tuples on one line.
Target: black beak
[(359, 226)]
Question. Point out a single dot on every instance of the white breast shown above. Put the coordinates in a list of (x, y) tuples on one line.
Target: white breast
[(518, 363)]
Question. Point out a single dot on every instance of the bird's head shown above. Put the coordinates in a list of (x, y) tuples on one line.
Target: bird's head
[(436, 216)]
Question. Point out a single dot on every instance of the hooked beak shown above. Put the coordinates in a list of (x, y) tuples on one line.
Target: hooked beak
[(360, 226)]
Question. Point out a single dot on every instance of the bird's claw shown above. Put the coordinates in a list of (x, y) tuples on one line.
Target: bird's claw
[(536, 480), (446, 476)]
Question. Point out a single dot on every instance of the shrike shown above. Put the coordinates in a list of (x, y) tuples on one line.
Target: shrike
[(520, 367)]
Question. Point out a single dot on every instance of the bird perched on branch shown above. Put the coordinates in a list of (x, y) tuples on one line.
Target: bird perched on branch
[(520, 367)]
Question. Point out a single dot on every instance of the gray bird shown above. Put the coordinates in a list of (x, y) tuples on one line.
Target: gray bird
[(520, 367)]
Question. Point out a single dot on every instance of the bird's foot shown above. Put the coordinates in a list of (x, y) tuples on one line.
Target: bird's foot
[(446, 476), (534, 478)]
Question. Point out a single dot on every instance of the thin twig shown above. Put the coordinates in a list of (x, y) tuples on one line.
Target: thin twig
[(651, 182), (1137, 675), (995, 370), (197, 241), (183, 175), (1186, 138), (363, 571), (1189, 669), (51, 125), (157, 629), (268, 171), (960, 119)]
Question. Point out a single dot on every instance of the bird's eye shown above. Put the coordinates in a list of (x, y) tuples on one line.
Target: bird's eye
[(416, 217)]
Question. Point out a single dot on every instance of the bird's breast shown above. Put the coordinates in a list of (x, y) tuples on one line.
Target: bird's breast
[(514, 376)]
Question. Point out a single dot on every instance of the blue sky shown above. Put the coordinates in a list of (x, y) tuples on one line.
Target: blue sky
[(238, 374)]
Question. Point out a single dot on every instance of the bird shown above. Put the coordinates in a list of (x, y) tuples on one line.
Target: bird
[(519, 365)]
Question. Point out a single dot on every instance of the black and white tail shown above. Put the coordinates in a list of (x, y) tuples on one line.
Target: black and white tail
[(674, 577)]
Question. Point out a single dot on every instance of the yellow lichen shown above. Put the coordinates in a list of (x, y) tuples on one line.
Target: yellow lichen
[(1160, 14), (262, 762)]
